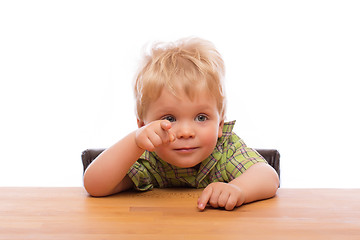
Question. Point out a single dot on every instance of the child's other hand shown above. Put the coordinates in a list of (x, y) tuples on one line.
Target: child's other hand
[(220, 194), (154, 134)]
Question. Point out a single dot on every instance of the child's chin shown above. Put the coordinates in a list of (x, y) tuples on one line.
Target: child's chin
[(186, 165)]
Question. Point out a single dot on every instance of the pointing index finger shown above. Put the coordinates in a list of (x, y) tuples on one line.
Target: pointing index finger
[(165, 125)]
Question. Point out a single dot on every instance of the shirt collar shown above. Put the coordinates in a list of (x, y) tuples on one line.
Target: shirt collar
[(226, 132)]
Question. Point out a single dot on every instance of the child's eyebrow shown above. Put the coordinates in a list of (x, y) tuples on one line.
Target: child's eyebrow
[(164, 111), (172, 110), (205, 107)]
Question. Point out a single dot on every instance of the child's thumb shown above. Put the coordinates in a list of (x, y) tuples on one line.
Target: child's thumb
[(172, 136)]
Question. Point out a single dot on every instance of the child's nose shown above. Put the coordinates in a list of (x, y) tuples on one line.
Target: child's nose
[(185, 130)]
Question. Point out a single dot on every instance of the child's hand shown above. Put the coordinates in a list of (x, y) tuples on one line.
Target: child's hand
[(220, 194), (154, 134)]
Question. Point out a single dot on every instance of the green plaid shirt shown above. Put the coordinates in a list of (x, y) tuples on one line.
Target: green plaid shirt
[(230, 158)]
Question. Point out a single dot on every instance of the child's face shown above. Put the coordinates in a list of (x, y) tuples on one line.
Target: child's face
[(196, 124)]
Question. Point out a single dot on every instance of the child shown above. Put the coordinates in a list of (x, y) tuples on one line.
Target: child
[(182, 139)]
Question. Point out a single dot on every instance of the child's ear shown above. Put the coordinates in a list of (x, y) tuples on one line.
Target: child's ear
[(221, 126), (140, 123)]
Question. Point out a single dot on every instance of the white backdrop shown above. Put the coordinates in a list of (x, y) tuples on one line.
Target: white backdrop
[(66, 71)]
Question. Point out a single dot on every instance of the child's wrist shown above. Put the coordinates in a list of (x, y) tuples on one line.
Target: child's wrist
[(241, 193), (138, 147)]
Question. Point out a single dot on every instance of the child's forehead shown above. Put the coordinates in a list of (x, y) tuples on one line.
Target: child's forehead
[(167, 99), (184, 92), (168, 102)]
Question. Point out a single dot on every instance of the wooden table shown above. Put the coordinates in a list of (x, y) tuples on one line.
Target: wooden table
[(69, 213)]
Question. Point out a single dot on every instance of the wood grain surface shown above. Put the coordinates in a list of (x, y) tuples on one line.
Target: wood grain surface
[(69, 213)]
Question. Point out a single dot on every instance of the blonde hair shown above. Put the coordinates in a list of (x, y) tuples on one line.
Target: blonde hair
[(184, 65)]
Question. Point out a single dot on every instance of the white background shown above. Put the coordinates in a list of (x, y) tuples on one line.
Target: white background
[(66, 71)]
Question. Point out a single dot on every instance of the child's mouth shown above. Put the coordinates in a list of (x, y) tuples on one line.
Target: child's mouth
[(186, 149)]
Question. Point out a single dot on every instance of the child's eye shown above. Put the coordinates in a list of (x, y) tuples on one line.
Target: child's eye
[(201, 118), (169, 118)]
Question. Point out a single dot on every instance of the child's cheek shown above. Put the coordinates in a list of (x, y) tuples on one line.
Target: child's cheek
[(210, 137)]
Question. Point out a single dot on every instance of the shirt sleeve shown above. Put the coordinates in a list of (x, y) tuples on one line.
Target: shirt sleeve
[(240, 158), (140, 176)]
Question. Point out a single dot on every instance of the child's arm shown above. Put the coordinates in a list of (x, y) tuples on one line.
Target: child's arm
[(107, 174), (260, 181)]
